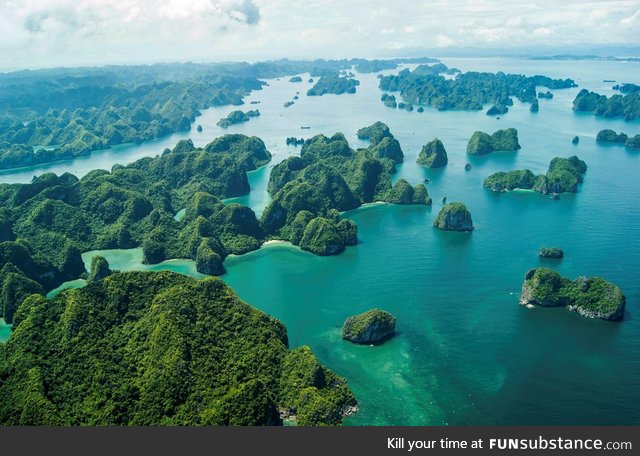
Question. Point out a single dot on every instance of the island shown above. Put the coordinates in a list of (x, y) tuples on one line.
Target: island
[(199, 129), (575, 140), (497, 109), (563, 175), (309, 192), (627, 88), (293, 141), (482, 143), (137, 347), (433, 155), (288, 103), (627, 106), (295, 79), (545, 95), (369, 328), (389, 100), (333, 84), (535, 106), (551, 252), (591, 297), (426, 85), (236, 117), (454, 217), (610, 136)]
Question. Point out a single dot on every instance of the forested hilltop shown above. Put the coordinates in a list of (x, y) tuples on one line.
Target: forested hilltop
[(58, 114), (159, 348)]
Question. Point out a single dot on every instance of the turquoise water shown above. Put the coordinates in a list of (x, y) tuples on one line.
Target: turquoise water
[(466, 352), (5, 330)]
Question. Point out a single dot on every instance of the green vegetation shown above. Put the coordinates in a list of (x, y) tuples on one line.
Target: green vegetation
[(467, 91), (610, 136), (592, 297), (563, 175), (159, 348), (403, 193), (454, 217), (627, 106), (482, 143), (371, 327), (99, 269), (91, 118), (433, 155), (46, 224), (551, 252), (333, 84), (384, 145), (236, 117), (375, 132), (309, 191), (607, 135)]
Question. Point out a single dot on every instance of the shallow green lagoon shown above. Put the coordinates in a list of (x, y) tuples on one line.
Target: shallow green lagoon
[(466, 352)]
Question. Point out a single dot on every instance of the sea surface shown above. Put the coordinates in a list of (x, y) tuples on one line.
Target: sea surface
[(466, 352)]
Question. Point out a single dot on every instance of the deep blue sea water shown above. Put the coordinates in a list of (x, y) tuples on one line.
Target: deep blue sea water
[(466, 352)]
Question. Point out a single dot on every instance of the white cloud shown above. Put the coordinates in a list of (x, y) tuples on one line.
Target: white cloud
[(72, 32)]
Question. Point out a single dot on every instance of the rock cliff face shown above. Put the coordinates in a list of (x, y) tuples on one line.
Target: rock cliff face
[(591, 297), (371, 327), (433, 154), (454, 217)]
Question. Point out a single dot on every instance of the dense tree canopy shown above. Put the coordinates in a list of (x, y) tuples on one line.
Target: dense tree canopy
[(159, 348)]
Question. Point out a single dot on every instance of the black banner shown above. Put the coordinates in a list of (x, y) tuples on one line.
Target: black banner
[(367, 441)]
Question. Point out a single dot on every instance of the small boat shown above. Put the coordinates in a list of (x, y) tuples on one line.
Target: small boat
[(555, 196), (305, 128), (426, 181)]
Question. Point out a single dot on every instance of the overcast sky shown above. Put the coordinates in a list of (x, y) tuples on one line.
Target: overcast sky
[(44, 33)]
